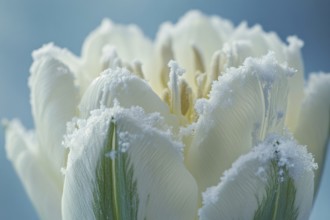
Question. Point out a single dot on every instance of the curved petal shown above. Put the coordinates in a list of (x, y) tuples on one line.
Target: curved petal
[(124, 164), (126, 88), (128, 41), (255, 42), (37, 179), (61, 54), (262, 41), (296, 83), (313, 127), (245, 105), (54, 98), (225, 28), (273, 181), (236, 52)]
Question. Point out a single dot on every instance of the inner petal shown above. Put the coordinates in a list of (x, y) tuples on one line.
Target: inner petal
[(245, 105)]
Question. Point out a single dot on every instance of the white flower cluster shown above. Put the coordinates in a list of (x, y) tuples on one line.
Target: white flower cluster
[(209, 121)]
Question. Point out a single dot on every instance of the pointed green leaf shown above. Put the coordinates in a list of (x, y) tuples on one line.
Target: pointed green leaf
[(115, 195), (274, 182), (279, 201), (124, 164)]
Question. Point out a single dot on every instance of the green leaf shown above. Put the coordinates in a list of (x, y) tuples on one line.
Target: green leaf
[(279, 201), (115, 195)]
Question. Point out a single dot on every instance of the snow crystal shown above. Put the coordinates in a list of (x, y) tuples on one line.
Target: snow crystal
[(88, 135), (287, 153), (110, 85), (112, 154), (284, 150), (210, 196), (201, 106), (47, 49), (50, 50), (267, 70), (175, 68), (187, 131), (124, 141)]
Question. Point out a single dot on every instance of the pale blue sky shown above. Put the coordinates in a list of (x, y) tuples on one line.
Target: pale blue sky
[(26, 25)]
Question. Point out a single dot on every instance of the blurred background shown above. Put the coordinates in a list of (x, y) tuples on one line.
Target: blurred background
[(26, 25)]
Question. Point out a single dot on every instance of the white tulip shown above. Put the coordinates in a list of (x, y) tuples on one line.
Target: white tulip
[(123, 132)]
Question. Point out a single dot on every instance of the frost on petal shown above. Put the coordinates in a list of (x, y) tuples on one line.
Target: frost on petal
[(273, 181), (313, 126), (128, 41), (124, 164), (61, 54), (54, 98), (126, 88), (245, 104), (261, 43), (38, 181)]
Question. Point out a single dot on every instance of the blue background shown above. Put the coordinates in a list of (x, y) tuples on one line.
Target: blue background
[(26, 25)]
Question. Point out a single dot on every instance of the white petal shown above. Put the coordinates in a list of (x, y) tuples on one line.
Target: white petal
[(225, 28), (63, 55), (296, 83), (313, 127), (126, 88), (136, 151), (235, 53), (259, 43), (245, 105), (53, 100), (37, 179), (129, 42), (273, 181), (262, 42)]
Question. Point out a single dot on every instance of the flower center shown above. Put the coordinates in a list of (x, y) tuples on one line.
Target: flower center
[(180, 91)]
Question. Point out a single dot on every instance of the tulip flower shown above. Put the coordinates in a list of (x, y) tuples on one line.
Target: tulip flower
[(210, 121)]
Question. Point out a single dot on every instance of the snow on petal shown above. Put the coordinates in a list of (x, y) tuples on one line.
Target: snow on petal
[(313, 126), (62, 54), (33, 171), (245, 104), (54, 99), (245, 84), (129, 90), (144, 178), (273, 181), (263, 42), (255, 42)]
